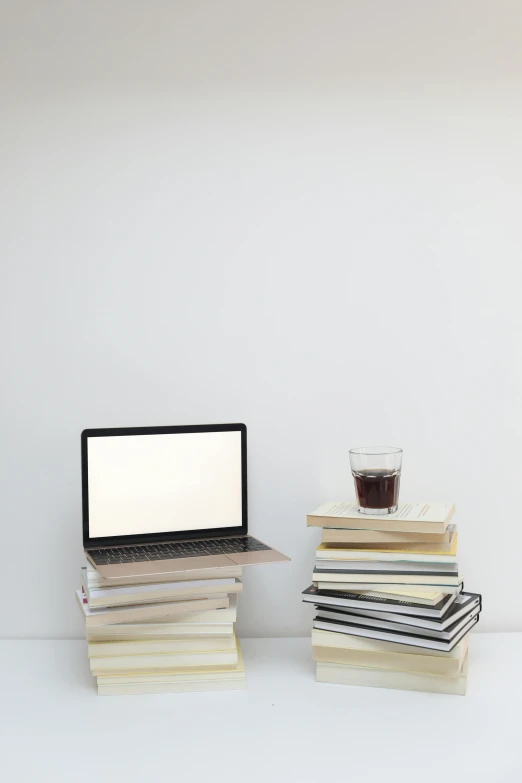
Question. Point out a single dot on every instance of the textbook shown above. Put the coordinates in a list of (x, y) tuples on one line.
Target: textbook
[(409, 517)]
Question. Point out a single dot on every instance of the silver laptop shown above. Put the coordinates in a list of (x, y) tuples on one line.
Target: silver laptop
[(164, 499)]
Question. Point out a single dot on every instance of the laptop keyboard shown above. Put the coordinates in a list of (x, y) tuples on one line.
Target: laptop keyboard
[(168, 550)]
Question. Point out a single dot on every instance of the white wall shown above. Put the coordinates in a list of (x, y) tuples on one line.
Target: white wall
[(301, 215)]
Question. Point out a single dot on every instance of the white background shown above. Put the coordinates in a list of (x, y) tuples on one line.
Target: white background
[(300, 215)]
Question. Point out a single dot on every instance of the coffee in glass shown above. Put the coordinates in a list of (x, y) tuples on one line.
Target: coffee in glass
[(376, 472)]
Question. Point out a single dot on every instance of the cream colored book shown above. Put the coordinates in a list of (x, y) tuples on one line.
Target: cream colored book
[(409, 518), (334, 535), (120, 614), (428, 599), (167, 591), (172, 687), (348, 642), (157, 631), (397, 661), (385, 587), (341, 674), (95, 580), (226, 614), (192, 659), (155, 646), (415, 553), (232, 672)]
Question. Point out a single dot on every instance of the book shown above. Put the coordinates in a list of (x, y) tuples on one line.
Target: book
[(166, 591), (397, 661), (100, 649), (341, 674), (399, 637), (367, 602), (94, 579), (157, 631), (385, 567), (157, 661), (416, 553), (409, 517), (388, 587), (229, 672), (367, 644), (444, 634), (119, 614), (351, 536), (420, 581), (406, 593), (229, 677), (172, 687), (223, 614)]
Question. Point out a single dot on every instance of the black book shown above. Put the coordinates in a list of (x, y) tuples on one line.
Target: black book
[(313, 595), (398, 637), (456, 618)]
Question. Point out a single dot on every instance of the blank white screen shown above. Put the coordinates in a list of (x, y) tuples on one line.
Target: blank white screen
[(163, 483)]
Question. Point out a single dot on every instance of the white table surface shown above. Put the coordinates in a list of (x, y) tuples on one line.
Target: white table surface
[(285, 726)]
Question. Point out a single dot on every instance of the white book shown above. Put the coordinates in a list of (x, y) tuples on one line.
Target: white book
[(385, 566), (341, 674), (120, 614), (167, 591), (94, 579), (226, 614), (409, 517)]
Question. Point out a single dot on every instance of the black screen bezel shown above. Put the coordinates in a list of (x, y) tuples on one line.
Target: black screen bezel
[(150, 538)]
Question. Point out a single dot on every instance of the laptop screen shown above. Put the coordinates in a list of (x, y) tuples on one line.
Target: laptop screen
[(163, 483)]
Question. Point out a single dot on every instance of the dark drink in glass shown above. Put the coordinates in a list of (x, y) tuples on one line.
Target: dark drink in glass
[(377, 475)]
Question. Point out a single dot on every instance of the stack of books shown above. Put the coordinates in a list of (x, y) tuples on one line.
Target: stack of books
[(390, 606), (163, 633)]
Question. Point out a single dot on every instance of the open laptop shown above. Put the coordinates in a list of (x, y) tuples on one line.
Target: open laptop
[(163, 499)]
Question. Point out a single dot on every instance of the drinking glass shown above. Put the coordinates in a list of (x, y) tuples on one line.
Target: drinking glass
[(376, 472)]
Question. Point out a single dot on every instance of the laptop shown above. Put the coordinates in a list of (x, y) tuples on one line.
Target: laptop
[(159, 500)]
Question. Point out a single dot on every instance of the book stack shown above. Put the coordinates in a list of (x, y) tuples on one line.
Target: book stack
[(390, 607), (163, 633)]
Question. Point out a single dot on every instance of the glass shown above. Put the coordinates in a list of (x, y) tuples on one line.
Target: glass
[(376, 472)]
